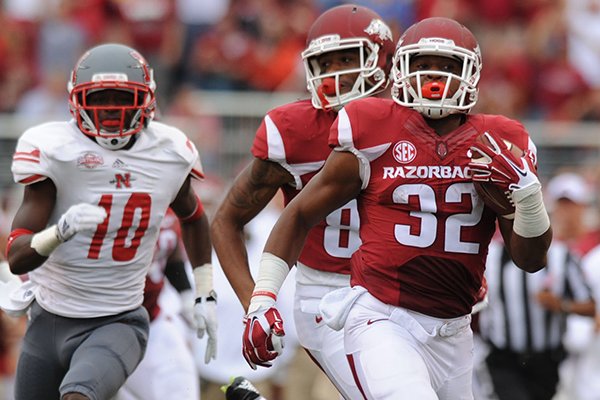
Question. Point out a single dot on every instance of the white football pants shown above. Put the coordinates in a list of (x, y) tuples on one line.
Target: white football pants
[(400, 354), (325, 346)]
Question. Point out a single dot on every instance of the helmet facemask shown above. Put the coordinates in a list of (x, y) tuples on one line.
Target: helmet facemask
[(128, 119), (325, 87), (442, 103)]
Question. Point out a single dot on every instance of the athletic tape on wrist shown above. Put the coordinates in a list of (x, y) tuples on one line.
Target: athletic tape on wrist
[(271, 275), (531, 217), (203, 280), (46, 241)]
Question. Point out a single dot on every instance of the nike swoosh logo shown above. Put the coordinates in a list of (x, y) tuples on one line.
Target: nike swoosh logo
[(522, 172), (372, 321), (318, 319)]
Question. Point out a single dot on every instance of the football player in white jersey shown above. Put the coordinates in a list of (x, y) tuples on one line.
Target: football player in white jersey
[(347, 57), (96, 190)]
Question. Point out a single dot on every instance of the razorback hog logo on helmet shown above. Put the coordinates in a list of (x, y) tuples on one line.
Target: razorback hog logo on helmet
[(378, 28)]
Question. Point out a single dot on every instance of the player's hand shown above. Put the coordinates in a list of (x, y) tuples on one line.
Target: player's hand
[(205, 316), (263, 335), (80, 217), (497, 164)]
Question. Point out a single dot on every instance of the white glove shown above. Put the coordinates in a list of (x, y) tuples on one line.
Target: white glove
[(78, 218), (205, 316), (5, 275), (187, 307)]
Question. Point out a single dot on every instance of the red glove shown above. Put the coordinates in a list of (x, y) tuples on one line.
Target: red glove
[(263, 337), (497, 163)]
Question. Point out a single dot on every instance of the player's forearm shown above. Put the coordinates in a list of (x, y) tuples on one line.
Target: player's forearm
[(197, 241), (230, 245), (175, 273), (22, 258), (530, 254), (529, 235)]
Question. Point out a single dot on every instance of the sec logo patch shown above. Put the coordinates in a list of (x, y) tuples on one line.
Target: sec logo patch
[(404, 152)]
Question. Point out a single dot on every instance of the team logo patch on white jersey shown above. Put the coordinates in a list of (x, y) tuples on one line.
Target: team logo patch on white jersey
[(404, 152), (90, 160), (122, 181)]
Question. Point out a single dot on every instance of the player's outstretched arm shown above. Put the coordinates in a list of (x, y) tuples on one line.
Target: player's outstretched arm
[(337, 183), (196, 240), (31, 241), (250, 193)]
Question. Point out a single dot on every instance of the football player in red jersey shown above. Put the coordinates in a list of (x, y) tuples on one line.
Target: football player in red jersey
[(410, 163), (348, 56)]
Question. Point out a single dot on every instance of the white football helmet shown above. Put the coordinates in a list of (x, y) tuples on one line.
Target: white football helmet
[(341, 28), (440, 37)]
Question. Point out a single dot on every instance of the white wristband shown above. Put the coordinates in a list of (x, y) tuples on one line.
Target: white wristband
[(203, 279), (272, 272), (46, 241), (531, 217)]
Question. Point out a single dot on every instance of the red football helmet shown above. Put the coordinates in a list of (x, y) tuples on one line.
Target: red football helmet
[(116, 67), (441, 37), (341, 28)]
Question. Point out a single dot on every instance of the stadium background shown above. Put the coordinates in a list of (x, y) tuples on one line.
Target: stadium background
[(221, 64)]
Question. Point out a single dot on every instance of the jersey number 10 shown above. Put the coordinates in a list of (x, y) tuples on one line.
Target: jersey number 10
[(120, 250)]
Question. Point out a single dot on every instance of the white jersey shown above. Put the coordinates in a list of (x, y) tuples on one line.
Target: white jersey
[(103, 272)]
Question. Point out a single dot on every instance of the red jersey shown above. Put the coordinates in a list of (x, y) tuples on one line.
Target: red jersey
[(296, 137), (424, 230)]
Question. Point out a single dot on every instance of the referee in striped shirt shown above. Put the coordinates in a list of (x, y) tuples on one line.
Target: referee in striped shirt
[(524, 323)]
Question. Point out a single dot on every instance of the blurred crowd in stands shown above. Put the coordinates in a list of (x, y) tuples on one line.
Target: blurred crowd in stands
[(540, 56)]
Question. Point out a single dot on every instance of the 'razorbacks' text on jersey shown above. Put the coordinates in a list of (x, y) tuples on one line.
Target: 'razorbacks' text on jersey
[(103, 272), (424, 229), (295, 136)]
